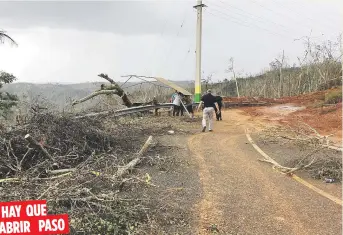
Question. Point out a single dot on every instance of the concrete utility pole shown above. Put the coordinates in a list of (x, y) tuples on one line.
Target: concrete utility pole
[(199, 7)]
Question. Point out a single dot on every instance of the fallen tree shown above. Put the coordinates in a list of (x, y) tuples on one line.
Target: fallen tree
[(122, 170), (320, 159), (111, 89), (276, 165)]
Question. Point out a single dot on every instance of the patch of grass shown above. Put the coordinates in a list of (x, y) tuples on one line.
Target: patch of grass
[(333, 97)]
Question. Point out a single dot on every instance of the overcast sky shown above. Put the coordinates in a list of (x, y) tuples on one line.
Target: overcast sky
[(72, 42)]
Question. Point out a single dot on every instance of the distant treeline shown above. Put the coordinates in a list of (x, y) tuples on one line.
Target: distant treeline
[(319, 69), (294, 81)]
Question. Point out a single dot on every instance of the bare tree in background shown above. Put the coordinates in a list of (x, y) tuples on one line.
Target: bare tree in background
[(277, 65), (320, 63), (207, 80), (319, 68), (232, 70)]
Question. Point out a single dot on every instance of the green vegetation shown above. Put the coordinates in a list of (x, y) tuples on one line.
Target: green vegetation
[(333, 97), (7, 101)]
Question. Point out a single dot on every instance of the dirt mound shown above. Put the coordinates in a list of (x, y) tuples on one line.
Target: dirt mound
[(308, 98), (326, 121), (308, 108), (299, 99)]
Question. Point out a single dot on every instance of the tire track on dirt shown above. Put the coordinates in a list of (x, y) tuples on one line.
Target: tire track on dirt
[(280, 210), (207, 208)]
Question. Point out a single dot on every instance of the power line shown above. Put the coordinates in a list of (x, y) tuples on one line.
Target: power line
[(177, 35), (302, 14), (183, 61), (261, 17), (278, 13), (292, 9), (326, 16), (140, 83), (155, 45), (144, 79), (251, 16), (234, 20)]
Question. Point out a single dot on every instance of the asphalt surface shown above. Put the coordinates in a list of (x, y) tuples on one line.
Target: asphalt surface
[(241, 195)]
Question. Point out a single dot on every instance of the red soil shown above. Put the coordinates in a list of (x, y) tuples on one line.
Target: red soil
[(248, 99), (326, 120), (300, 99)]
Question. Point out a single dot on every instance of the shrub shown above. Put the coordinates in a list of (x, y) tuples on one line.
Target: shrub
[(7, 101), (333, 97)]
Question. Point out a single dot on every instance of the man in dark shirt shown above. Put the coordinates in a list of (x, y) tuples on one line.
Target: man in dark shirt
[(219, 100), (210, 104)]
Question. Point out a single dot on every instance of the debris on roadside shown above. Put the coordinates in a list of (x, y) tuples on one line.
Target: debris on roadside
[(329, 180), (75, 166)]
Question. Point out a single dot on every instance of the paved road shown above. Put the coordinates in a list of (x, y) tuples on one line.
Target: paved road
[(242, 195)]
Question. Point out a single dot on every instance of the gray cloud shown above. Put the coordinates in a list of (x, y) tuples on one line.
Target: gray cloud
[(120, 17), (73, 41)]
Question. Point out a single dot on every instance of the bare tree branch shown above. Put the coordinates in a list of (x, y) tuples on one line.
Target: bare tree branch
[(114, 88), (4, 36)]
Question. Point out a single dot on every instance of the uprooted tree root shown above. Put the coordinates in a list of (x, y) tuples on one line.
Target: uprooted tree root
[(80, 169), (318, 159)]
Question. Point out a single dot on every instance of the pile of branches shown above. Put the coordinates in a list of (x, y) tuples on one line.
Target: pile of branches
[(327, 167), (80, 168), (317, 156), (67, 143)]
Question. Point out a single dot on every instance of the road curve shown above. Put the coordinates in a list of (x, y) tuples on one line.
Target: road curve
[(241, 195)]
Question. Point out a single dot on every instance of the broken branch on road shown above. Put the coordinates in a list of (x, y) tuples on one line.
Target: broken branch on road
[(320, 160), (121, 170)]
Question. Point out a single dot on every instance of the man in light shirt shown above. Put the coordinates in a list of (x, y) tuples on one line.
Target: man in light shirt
[(173, 96), (177, 104)]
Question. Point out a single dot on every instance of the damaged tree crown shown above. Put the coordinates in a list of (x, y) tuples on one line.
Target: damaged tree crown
[(113, 88)]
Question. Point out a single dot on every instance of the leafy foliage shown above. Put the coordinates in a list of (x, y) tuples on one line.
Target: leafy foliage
[(7, 100)]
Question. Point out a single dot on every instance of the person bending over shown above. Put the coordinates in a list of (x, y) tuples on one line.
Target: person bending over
[(189, 105)]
